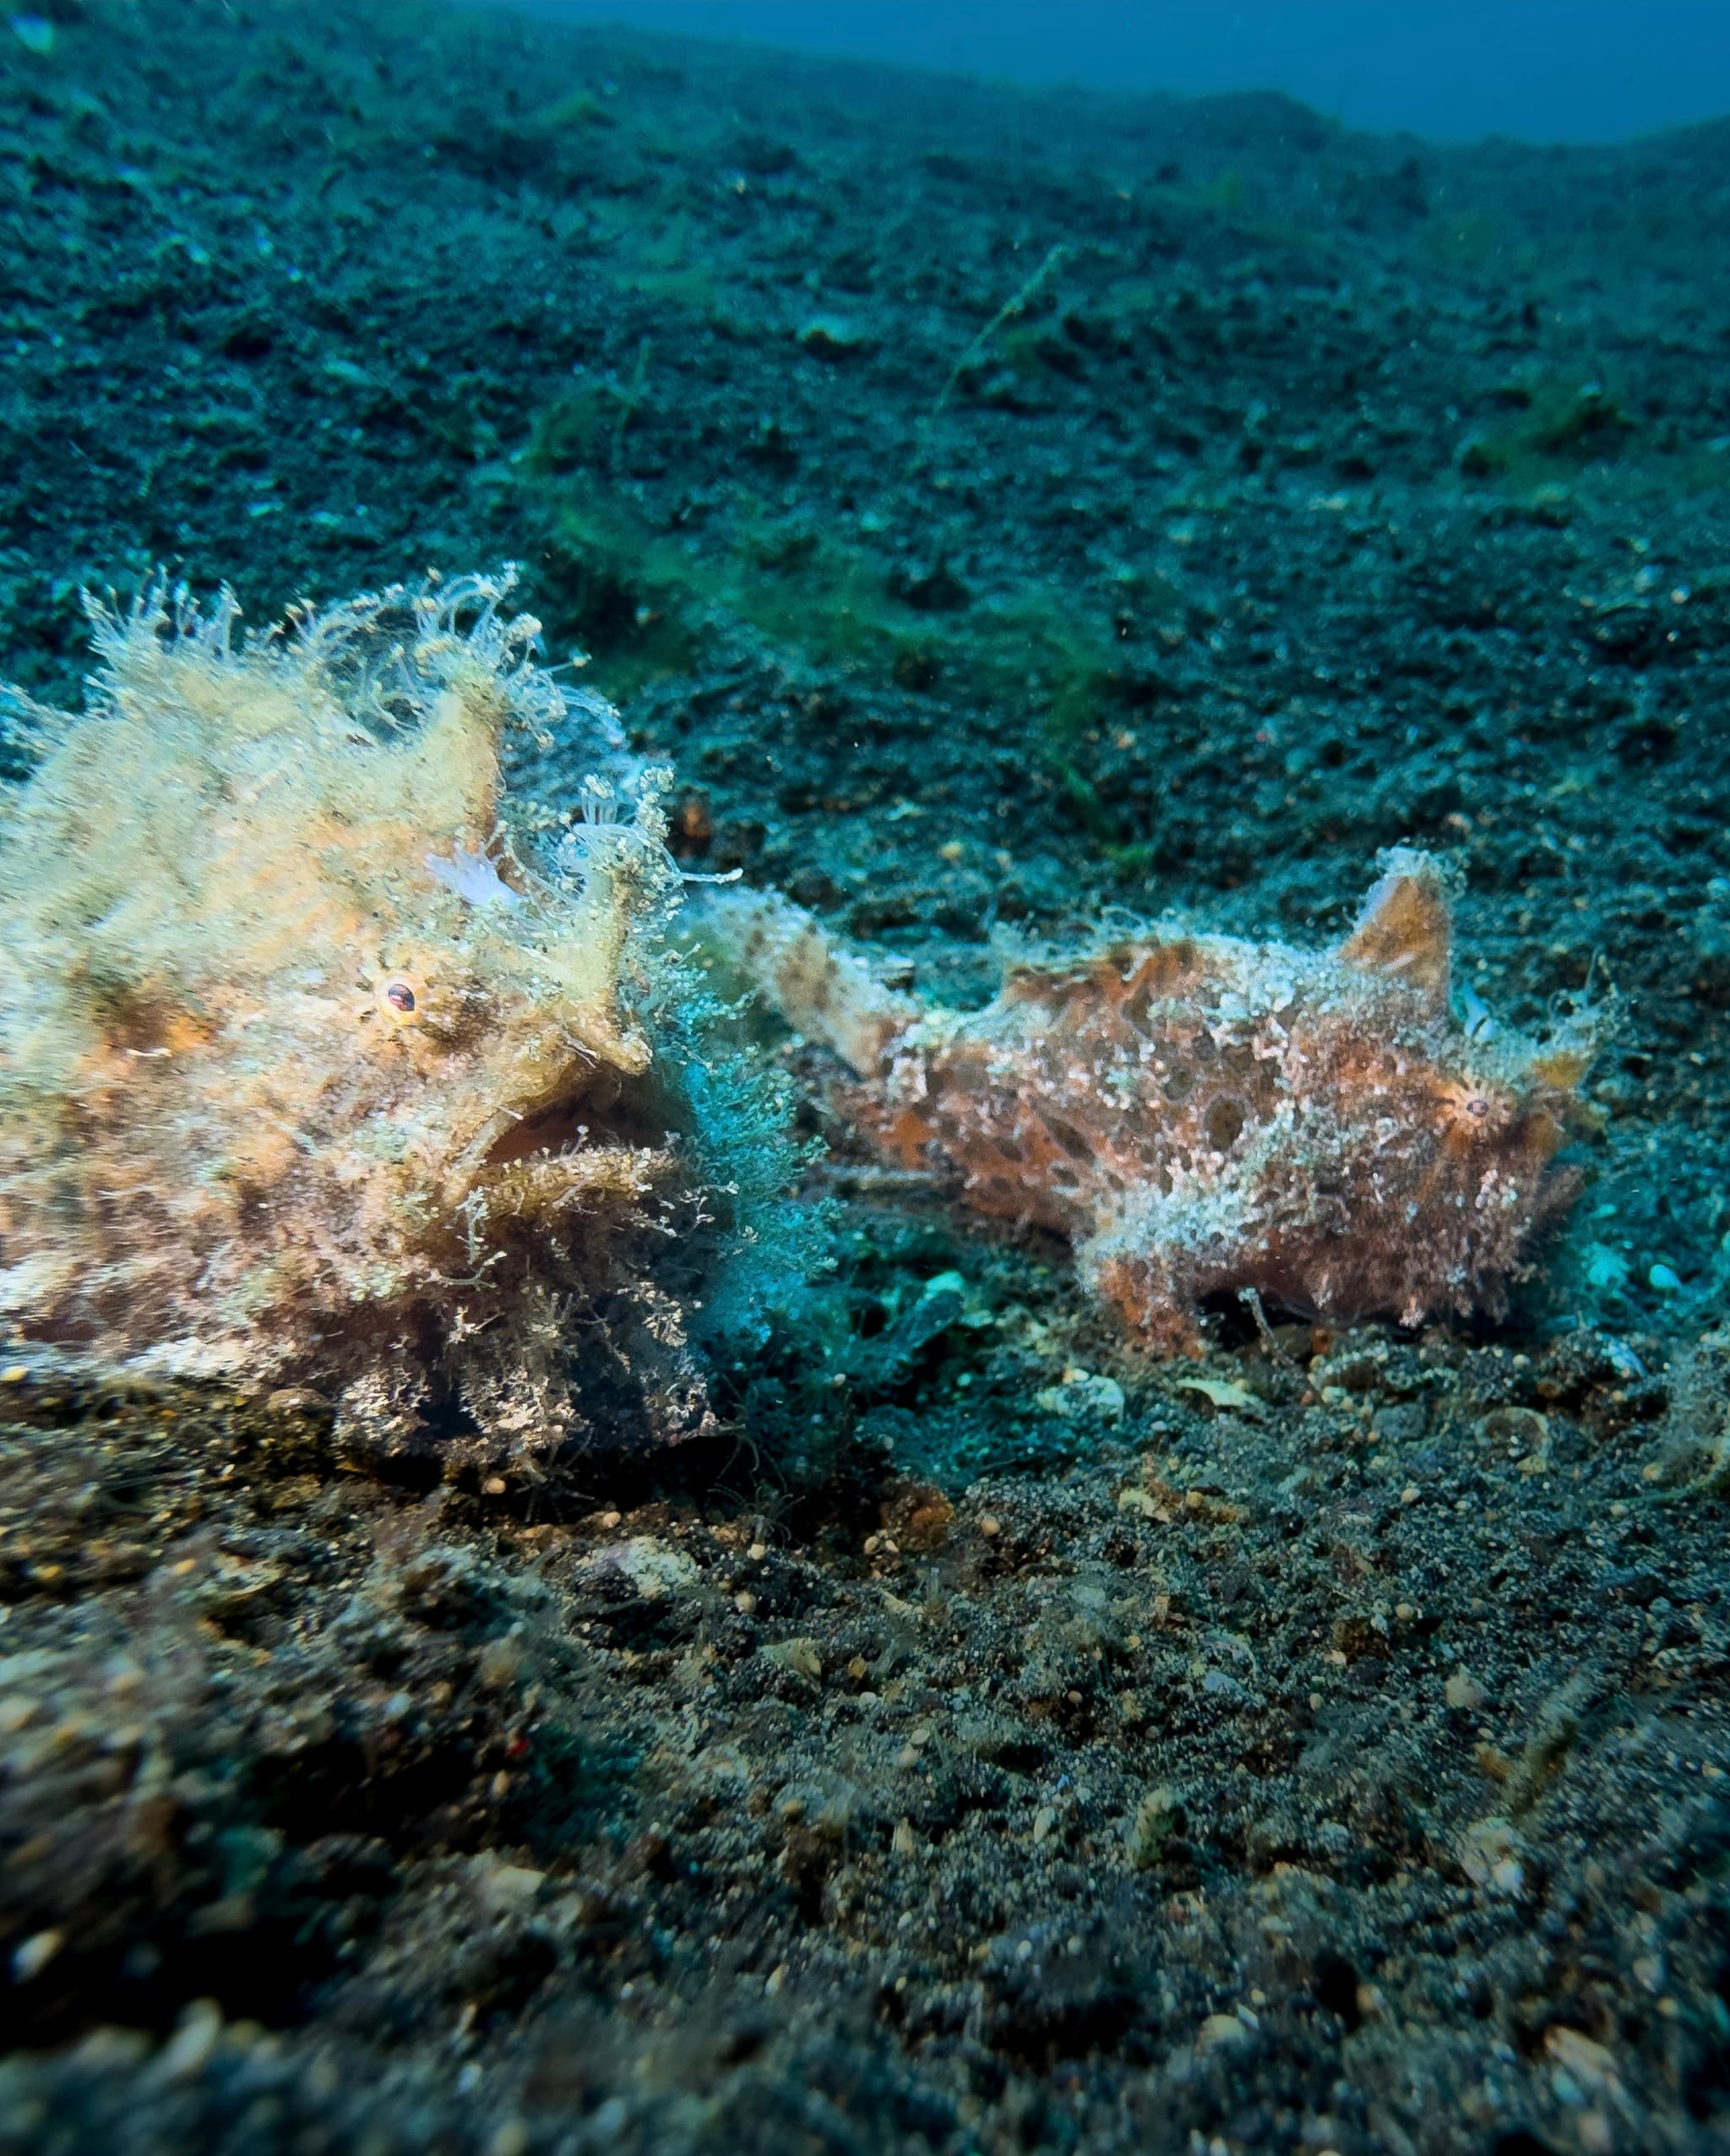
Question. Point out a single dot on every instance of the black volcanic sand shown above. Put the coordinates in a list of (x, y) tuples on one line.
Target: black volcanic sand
[(1002, 508)]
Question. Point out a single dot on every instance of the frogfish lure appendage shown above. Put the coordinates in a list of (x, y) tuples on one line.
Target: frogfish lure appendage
[(1199, 1114)]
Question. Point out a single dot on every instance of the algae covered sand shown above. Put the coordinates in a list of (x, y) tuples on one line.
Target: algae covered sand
[(1006, 512)]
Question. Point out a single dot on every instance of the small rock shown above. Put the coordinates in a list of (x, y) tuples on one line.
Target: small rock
[(1224, 1392), (1403, 1423), (1464, 1693), (1490, 1856), (1083, 1392), (1523, 1430), (655, 1570), (800, 1655), (189, 2049), (1587, 2062), (832, 337), (34, 32), (1222, 2032), (508, 1889), (34, 1956)]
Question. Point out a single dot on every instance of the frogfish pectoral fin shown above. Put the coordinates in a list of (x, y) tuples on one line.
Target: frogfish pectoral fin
[(1142, 1285)]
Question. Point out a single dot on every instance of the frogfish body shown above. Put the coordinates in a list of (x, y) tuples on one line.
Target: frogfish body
[(309, 1075), (1199, 1113)]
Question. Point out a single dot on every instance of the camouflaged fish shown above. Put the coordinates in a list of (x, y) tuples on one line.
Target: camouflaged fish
[(307, 1076), (1200, 1114)]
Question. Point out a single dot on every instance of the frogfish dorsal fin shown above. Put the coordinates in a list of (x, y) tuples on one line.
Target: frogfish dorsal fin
[(1406, 930)]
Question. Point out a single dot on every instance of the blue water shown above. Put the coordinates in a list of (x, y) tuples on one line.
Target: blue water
[(1542, 70)]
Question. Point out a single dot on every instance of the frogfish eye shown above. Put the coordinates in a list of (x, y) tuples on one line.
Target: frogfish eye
[(1478, 1106), (401, 997)]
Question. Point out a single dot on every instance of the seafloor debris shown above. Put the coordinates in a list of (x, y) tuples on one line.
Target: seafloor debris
[(1198, 1114), (307, 1072)]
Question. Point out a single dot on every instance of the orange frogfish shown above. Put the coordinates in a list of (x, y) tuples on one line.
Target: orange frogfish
[(1200, 1114)]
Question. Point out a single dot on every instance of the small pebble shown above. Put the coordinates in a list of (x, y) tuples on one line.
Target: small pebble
[(1220, 2030), (830, 336), (188, 2051), (34, 1956)]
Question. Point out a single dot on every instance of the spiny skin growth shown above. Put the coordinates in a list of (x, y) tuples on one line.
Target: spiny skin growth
[(308, 1074), (1198, 1113)]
